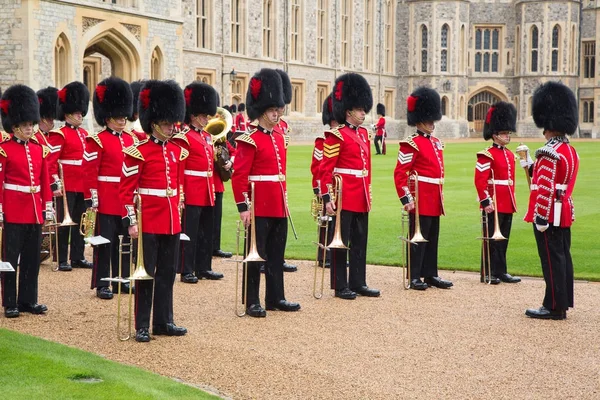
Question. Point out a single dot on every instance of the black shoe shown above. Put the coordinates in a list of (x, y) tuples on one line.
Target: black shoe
[(544, 313), (289, 267), (124, 288), (189, 278), (210, 275), (221, 253), (367, 291), (345, 294), (104, 293), (11, 312), (283, 305), (256, 311), (64, 266), (169, 329), (438, 282), (81, 264), (142, 335), (492, 281), (327, 264), (417, 284), (33, 308), (508, 278)]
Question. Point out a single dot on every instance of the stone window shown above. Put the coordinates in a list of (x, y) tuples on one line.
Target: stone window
[(388, 36), (268, 29), (203, 24), (322, 24), (589, 59), (587, 111), (238, 17), (297, 104), (555, 43), (368, 35), (346, 23), (389, 99), (205, 76), (297, 29), (62, 57), (156, 64), (534, 48), (423, 48), (323, 90), (239, 85), (487, 49), (444, 46), (445, 106)]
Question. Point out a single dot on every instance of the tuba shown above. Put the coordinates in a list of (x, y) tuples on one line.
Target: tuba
[(218, 126)]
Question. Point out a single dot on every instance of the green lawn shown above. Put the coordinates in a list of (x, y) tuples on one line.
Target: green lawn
[(459, 250)]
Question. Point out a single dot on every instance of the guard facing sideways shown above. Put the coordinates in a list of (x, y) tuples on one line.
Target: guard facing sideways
[(198, 184), (25, 200), (346, 168), (102, 163), (551, 210), (240, 119), (421, 155), (67, 146), (153, 168), (222, 167), (135, 126), (495, 176), (261, 160), (380, 132), (48, 99)]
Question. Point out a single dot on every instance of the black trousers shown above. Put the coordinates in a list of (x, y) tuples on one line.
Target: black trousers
[(325, 241), (160, 257), (554, 248), (218, 216), (378, 144), (196, 255), (271, 238), (498, 248), (424, 256), (76, 206), (355, 231), (110, 227), (22, 240)]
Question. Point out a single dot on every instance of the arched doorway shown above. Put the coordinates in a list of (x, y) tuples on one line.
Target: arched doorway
[(478, 107)]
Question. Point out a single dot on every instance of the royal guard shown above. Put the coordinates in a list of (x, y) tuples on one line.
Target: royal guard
[(551, 210), (380, 132), (67, 146), (240, 119), (347, 156), (261, 160), (25, 200), (421, 155), (48, 99), (102, 163), (134, 126), (495, 185), (198, 184), (153, 169)]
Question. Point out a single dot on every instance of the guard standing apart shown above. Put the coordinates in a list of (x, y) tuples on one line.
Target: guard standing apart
[(67, 146), (551, 209), (152, 167), (260, 158), (423, 153), (102, 163), (347, 152), (219, 190), (380, 132), (495, 168), (25, 200), (240, 120)]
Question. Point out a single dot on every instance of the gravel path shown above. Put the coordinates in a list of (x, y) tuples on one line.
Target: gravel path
[(470, 342)]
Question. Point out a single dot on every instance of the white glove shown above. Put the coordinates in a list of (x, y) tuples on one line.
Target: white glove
[(526, 163), (541, 228)]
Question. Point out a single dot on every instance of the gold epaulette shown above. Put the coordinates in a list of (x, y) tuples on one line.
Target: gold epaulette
[(34, 139), (184, 154), (59, 131), (185, 130), (3, 153), (134, 152), (94, 136), (46, 151), (286, 139), (411, 141), (336, 132), (133, 136), (486, 152), (246, 138), (321, 137), (181, 136), (5, 136)]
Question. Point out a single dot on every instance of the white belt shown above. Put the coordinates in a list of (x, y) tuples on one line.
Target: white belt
[(435, 181), (501, 182), (266, 178), (115, 179), (359, 173), (24, 189), (158, 192), (70, 162), (203, 174), (558, 186)]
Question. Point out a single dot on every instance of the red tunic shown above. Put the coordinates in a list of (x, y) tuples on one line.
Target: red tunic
[(67, 145), (24, 183), (423, 154), (347, 151), (153, 166), (317, 157), (102, 164), (499, 162), (554, 175), (380, 126), (141, 135), (219, 187), (240, 123), (261, 157), (42, 138)]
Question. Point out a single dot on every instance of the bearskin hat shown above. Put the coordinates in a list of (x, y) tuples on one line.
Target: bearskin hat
[(554, 108), (327, 110), (74, 97), (350, 91), (423, 105), (264, 91), (241, 107), (112, 98), (286, 85), (48, 99), (200, 98), (19, 104), (227, 107), (500, 117), (233, 108), (135, 92), (380, 109), (160, 101)]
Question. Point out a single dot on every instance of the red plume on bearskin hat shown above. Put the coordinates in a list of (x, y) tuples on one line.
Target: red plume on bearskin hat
[(160, 101), (112, 98), (423, 105), (48, 99), (502, 116), (200, 98), (19, 104), (135, 92), (74, 97), (327, 110), (286, 85), (264, 91), (554, 108), (351, 91)]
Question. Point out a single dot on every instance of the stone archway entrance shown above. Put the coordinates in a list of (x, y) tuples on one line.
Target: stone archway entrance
[(478, 107)]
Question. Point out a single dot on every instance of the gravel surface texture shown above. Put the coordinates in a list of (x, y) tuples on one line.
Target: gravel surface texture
[(469, 342)]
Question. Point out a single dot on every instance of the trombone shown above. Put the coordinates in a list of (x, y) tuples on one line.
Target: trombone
[(486, 264), (336, 241), (322, 219)]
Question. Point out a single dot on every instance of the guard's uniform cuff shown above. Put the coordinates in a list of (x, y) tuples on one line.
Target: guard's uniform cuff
[(540, 221), (406, 199), (326, 198), (242, 207), (316, 190), (485, 202)]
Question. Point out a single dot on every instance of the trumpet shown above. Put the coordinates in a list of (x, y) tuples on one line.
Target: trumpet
[(322, 220), (486, 265), (67, 220), (87, 227)]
